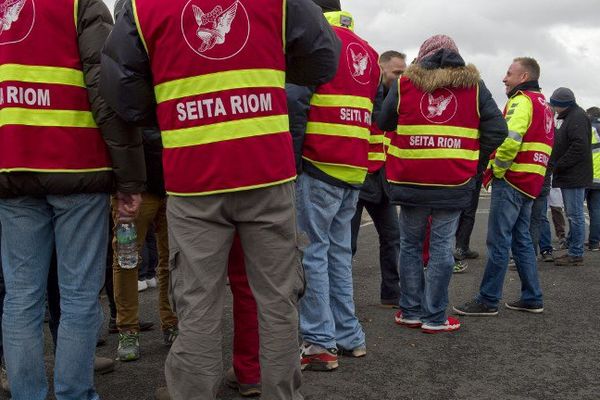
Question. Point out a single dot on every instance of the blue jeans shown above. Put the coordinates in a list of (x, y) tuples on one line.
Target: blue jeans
[(77, 225), (540, 226), (573, 199), (424, 294), (508, 226), (327, 313), (593, 204)]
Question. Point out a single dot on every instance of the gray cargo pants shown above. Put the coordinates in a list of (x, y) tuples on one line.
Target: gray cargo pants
[(201, 231)]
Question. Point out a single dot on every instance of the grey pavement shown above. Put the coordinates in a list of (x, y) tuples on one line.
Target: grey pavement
[(515, 356)]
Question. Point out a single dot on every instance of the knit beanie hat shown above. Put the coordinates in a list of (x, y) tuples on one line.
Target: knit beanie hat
[(329, 5), (562, 97), (435, 44)]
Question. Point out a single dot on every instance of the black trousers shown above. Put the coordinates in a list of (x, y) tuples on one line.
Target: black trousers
[(467, 219), (385, 219)]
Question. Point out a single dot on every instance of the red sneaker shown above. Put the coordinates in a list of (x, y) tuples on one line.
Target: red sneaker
[(317, 358), (452, 324), (409, 323)]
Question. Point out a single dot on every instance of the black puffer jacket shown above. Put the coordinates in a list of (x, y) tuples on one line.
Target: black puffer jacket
[(571, 160), (124, 144), (446, 69)]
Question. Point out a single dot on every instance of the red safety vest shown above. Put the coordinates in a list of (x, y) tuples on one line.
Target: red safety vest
[(528, 170), (45, 120), (339, 119), (219, 80), (437, 140)]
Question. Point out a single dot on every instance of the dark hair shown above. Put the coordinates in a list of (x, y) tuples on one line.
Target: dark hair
[(388, 55), (593, 112), (531, 65)]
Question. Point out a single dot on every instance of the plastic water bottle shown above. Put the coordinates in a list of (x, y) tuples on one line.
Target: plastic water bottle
[(127, 251)]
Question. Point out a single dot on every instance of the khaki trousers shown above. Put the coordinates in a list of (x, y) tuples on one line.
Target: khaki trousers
[(201, 231), (152, 209)]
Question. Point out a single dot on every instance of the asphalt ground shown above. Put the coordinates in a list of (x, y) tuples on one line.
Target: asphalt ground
[(514, 356)]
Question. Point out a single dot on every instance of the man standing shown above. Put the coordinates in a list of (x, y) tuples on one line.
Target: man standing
[(57, 172), (572, 169), (593, 193), (373, 196), (214, 74), (334, 131), (152, 211), (516, 173), (444, 114)]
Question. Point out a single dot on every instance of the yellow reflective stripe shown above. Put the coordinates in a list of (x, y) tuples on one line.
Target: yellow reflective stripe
[(541, 147), (375, 156), (223, 131), (348, 173), (29, 117), (137, 24), (237, 189), (376, 139), (324, 128), (426, 184), (219, 81), (530, 168), (386, 141), (433, 153), (67, 171), (41, 74), (334, 100), (75, 9), (435, 130)]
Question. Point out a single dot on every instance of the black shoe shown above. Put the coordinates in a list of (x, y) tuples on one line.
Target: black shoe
[(521, 306), (144, 325), (389, 303), (465, 254), (169, 335), (475, 309), (547, 256), (569, 261), (594, 247)]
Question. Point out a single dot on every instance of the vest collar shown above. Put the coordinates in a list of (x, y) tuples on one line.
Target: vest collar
[(342, 19)]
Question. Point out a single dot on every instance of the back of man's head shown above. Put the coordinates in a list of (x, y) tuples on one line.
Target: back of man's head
[(531, 66), (329, 5), (593, 113)]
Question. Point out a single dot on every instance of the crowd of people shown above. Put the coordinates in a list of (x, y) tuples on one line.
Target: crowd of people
[(248, 138)]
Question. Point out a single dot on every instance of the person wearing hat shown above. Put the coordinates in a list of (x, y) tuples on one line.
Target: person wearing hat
[(516, 172), (571, 164), (445, 120), (592, 194)]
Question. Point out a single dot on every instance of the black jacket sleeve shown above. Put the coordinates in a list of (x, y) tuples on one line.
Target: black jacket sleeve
[(312, 48), (94, 23), (577, 130), (387, 120), (298, 98), (126, 81), (492, 126)]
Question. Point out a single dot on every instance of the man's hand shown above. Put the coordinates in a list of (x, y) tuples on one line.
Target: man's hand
[(129, 204)]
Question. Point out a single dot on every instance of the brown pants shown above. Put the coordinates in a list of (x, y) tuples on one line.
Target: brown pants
[(152, 209), (558, 220), (201, 231)]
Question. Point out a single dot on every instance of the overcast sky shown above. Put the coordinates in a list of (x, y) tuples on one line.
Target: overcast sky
[(563, 36)]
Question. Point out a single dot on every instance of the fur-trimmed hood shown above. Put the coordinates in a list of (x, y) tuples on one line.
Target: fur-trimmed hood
[(429, 80)]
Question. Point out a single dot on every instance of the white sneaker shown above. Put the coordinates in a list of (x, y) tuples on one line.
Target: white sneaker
[(142, 285), (151, 282)]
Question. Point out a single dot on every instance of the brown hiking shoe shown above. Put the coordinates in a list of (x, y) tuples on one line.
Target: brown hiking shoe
[(569, 261), (245, 389)]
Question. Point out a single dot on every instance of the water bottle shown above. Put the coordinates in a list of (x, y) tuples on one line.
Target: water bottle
[(127, 251)]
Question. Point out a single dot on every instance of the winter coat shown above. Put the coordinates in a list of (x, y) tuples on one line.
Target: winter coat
[(443, 71), (571, 160), (124, 144)]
